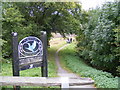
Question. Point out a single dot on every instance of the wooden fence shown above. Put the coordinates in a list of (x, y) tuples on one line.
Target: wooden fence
[(64, 82)]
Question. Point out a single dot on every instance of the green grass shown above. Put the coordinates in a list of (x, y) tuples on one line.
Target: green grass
[(34, 72), (70, 59)]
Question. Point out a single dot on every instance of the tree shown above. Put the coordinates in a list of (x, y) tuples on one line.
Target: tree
[(99, 44), (13, 22), (52, 17), (30, 18)]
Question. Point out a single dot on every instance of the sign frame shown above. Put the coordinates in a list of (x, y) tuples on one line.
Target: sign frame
[(15, 55)]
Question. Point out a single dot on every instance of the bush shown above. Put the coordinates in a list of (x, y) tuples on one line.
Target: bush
[(99, 43)]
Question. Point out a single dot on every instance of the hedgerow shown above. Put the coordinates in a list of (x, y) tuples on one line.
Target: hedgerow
[(99, 39)]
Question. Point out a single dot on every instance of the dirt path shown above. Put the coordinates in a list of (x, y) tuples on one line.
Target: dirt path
[(63, 73)]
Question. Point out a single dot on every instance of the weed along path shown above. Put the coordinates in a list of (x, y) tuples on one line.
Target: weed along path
[(64, 73)]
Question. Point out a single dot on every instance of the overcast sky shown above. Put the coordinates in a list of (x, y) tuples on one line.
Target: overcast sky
[(86, 4)]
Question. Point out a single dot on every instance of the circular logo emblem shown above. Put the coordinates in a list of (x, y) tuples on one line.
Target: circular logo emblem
[(30, 46)]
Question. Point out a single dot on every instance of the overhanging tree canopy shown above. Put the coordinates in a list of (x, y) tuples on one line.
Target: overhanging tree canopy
[(29, 18)]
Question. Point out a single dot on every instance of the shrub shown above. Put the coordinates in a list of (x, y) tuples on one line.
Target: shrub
[(99, 43)]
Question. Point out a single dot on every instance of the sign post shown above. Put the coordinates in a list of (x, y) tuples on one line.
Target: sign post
[(15, 61), (44, 67)]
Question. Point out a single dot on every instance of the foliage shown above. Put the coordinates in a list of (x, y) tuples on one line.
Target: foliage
[(99, 39), (102, 79), (1, 43), (13, 22), (117, 43), (52, 17)]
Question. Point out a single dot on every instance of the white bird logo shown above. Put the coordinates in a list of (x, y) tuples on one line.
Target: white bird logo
[(31, 47), (31, 66)]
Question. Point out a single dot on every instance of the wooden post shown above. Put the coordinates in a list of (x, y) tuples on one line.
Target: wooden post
[(15, 61), (44, 68)]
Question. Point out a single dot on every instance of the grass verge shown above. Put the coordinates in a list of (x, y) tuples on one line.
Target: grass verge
[(70, 59)]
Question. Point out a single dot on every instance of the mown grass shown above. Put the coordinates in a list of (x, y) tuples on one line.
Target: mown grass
[(36, 72), (70, 59)]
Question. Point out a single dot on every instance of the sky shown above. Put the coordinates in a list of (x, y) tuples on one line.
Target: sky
[(86, 4)]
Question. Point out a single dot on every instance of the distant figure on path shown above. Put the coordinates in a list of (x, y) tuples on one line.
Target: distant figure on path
[(70, 40)]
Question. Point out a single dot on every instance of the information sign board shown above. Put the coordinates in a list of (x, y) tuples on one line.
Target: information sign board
[(30, 50)]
